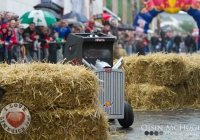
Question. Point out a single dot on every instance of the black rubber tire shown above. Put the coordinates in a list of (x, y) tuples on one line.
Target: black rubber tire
[(128, 116)]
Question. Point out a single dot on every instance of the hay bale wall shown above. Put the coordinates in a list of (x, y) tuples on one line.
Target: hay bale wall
[(62, 124), (158, 69), (62, 100), (162, 81)]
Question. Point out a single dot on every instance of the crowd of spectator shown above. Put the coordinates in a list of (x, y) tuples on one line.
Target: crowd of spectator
[(14, 39)]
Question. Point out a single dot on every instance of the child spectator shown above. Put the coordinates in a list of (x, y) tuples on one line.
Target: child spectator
[(59, 46), (36, 46)]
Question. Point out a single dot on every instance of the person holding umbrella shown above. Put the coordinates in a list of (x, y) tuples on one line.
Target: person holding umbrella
[(30, 30)]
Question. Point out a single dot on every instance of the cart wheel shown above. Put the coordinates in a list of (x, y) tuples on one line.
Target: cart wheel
[(128, 116)]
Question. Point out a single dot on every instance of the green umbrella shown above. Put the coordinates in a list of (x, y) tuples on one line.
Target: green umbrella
[(39, 17)]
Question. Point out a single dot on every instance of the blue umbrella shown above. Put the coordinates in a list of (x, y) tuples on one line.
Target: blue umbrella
[(79, 17)]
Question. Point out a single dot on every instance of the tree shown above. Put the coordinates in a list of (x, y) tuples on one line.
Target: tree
[(187, 26)]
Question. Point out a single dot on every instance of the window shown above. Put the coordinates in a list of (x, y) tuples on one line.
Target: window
[(97, 53), (128, 12), (120, 8), (109, 4)]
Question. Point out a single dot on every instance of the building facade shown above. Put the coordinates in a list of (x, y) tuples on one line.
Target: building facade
[(123, 8), (19, 7)]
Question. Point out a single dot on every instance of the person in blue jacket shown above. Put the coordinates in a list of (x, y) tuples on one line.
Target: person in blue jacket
[(63, 29)]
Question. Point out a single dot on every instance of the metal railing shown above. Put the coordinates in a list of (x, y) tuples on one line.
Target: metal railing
[(24, 53)]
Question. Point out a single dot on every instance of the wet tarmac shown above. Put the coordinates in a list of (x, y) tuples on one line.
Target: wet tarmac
[(182, 124)]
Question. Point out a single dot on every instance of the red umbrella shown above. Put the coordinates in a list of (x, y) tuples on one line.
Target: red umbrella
[(106, 16)]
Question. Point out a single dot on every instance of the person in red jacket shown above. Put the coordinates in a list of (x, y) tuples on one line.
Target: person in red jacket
[(90, 27), (13, 41), (4, 33)]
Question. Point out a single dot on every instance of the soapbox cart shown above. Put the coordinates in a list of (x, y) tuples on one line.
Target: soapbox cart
[(96, 51)]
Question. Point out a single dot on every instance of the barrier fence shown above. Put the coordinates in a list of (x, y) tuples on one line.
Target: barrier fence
[(25, 53)]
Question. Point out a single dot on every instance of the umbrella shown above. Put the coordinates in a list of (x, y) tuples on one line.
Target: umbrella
[(106, 16), (57, 16), (39, 17), (49, 6), (71, 20), (79, 17), (126, 27), (77, 24)]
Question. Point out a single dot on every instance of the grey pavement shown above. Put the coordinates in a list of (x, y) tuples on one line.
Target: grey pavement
[(181, 124)]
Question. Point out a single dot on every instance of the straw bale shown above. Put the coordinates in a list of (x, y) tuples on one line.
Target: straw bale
[(43, 86), (62, 124), (119, 52), (192, 84), (136, 68), (152, 97), (167, 69), (158, 69)]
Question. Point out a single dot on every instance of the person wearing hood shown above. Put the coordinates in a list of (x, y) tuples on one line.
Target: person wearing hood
[(90, 27), (4, 31)]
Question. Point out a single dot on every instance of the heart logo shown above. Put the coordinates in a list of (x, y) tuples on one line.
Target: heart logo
[(15, 119)]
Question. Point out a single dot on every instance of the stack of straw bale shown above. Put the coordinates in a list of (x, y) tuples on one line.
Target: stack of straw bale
[(62, 100), (162, 81), (118, 52)]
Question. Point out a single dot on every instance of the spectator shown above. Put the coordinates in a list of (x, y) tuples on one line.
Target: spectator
[(2, 49), (63, 29), (36, 46), (169, 40), (106, 29), (7, 16), (1, 20), (113, 28), (59, 46), (17, 23), (163, 41), (189, 43), (154, 43), (13, 40), (16, 50), (45, 39), (9, 41), (141, 46), (90, 27), (5, 21), (177, 41), (129, 47), (30, 30)]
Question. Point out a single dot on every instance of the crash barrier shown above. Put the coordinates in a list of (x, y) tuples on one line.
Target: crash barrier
[(162, 81), (25, 53), (62, 101)]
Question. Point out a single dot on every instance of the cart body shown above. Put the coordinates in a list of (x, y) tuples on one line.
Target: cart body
[(87, 49)]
